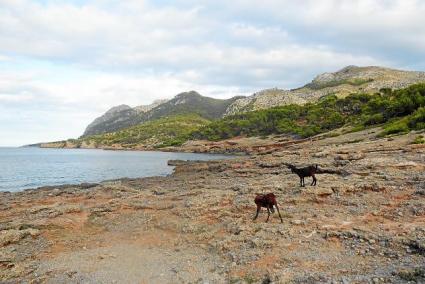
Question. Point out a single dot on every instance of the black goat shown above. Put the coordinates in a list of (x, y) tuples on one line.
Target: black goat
[(309, 171)]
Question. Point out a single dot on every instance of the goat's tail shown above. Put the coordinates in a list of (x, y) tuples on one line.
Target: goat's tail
[(317, 166)]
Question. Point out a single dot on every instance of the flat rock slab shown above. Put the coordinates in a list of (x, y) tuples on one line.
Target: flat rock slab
[(131, 263)]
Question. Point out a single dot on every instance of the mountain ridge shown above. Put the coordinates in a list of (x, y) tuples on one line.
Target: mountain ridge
[(350, 79), (124, 116)]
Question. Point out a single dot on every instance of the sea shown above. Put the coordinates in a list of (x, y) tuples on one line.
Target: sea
[(32, 167)]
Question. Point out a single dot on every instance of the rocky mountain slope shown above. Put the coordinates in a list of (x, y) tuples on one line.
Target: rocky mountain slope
[(146, 108), (123, 116), (348, 80), (191, 102), (119, 117), (114, 119)]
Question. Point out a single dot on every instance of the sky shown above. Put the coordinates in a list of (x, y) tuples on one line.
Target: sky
[(64, 63)]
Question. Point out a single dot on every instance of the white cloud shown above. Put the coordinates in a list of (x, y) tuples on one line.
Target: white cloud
[(136, 35), (69, 62)]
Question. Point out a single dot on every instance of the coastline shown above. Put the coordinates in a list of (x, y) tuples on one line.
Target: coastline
[(233, 146), (197, 223)]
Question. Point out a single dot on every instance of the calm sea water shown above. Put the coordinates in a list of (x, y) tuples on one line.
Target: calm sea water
[(22, 168)]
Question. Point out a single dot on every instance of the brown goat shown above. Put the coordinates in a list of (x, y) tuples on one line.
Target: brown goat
[(266, 201)]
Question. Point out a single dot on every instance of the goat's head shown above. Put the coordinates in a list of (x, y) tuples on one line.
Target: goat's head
[(291, 167)]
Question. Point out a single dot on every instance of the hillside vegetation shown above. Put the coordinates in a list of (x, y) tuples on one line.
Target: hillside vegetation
[(167, 131), (399, 111)]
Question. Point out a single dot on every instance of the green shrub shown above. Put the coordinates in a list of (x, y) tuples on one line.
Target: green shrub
[(419, 140), (397, 127), (373, 119), (417, 119), (359, 110)]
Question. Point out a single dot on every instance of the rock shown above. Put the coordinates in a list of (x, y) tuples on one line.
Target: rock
[(417, 246), (236, 188), (269, 164), (373, 187), (297, 222), (407, 165), (235, 229), (340, 163), (14, 236), (70, 209), (319, 191), (322, 154), (414, 275)]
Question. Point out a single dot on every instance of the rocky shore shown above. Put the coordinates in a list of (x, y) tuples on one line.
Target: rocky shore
[(364, 222), (235, 146)]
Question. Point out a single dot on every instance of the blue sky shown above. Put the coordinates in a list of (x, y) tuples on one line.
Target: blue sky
[(63, 63)]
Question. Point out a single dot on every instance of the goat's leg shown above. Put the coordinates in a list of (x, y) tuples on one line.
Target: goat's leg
[(277, 207), (258, 211), (314, 180), (268, 214), (301, 181)]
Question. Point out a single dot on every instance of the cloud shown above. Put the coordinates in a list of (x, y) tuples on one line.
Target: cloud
[(137, 36), (76, 59)]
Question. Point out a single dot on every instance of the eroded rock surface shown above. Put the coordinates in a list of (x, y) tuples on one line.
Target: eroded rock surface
[(364, 222)]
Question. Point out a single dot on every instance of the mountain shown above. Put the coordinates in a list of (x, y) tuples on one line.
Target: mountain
[(350, 79), (119, 117), (116, 118), (191, 102), (264, 99), (394, 111), (123, 116)]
